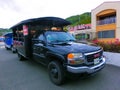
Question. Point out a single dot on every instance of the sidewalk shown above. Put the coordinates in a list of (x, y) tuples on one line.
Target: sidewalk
[(112, 58)]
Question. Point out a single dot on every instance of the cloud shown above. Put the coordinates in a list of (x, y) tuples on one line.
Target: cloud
[(13, 11), (9, 4)]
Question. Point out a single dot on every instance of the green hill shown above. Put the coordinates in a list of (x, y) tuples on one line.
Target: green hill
[(3, 31), (84, 18)]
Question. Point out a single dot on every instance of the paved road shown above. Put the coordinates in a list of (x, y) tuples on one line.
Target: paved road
[(29, 75)]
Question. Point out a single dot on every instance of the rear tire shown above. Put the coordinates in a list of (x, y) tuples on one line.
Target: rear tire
[(21, 58), (7, 48), (56, 72), (13, 49)]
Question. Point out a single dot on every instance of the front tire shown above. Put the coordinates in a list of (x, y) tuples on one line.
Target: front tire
[(56, 72)]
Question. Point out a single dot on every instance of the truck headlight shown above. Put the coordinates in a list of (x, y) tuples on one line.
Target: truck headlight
[(75, 58)]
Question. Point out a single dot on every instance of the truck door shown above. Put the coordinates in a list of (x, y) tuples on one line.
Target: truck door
[(39, 49)]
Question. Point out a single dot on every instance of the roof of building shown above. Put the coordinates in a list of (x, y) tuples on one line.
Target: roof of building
[(106, 3)]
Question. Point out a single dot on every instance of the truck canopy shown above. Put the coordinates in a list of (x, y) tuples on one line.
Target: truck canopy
[(48, 21), (9, 34)]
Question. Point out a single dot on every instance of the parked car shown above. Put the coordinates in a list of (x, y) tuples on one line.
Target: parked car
[(1, 38)]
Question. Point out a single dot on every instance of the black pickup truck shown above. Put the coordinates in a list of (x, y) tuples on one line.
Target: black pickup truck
[(55, 48)]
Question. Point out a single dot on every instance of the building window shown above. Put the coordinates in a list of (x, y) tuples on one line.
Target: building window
[(106, 20), (106, 34), (82, 36)]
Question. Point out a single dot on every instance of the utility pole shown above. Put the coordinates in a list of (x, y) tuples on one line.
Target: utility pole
[(78, 18)]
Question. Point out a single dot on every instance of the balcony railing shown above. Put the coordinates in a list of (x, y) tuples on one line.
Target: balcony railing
[(107, 20)]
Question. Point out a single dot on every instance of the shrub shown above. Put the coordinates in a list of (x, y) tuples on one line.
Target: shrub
[(109, 46)]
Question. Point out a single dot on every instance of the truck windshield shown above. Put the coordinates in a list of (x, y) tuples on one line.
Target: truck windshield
[(59, 37)]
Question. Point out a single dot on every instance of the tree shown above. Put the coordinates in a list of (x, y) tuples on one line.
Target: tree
[(3, 31)]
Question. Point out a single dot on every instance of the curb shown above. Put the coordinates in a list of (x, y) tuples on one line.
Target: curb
[(112, 58)]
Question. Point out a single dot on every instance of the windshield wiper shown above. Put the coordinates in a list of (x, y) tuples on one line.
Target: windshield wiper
[(70, 40), (59, 42), (56, 41)]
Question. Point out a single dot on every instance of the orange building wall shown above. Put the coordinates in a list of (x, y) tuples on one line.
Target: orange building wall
[(106, 40), (105, 28), (105, 12)]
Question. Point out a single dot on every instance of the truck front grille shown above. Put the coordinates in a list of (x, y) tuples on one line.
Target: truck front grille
[(93, 55)]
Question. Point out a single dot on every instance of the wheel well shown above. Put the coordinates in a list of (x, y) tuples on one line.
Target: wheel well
[(53, 58)]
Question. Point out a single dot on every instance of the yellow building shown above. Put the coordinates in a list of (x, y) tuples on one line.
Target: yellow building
[(106, 21)]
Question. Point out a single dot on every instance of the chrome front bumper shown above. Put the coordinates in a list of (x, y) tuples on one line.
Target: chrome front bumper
[(87, 69)]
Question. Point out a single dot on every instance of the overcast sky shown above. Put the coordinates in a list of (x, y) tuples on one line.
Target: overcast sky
[(13, 11)]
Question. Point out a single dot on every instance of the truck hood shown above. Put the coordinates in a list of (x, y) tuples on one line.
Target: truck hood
[(74, 47)]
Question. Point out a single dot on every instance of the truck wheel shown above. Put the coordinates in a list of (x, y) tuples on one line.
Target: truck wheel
[(56, 72), (13, 49), (21, 58), (6, 48)]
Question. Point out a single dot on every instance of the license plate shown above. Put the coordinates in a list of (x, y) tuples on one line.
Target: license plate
[(96, 61)]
